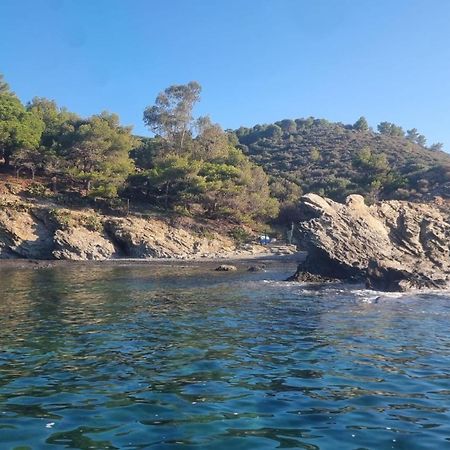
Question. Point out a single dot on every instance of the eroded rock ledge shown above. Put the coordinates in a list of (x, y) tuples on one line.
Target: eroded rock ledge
[(46, 231), (391, 245)]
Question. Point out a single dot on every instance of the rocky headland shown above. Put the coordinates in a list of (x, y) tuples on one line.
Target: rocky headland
[(390, 245)]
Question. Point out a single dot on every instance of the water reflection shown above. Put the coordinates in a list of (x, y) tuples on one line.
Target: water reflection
[(138, 357)]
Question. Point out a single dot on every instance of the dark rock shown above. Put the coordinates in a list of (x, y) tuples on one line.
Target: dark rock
[(226, 268), (384, 278), (302, 275), (257, 268)]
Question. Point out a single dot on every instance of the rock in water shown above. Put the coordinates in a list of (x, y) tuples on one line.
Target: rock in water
[(384, 278), (406, 245), (257, 268), (226, 268)]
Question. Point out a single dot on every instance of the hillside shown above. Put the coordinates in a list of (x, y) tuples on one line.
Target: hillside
[(335, 160)]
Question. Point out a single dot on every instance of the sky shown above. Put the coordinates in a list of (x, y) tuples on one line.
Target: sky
[(258, 61)]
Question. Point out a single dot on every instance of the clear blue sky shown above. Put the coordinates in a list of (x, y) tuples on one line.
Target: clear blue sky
[(258, 60)]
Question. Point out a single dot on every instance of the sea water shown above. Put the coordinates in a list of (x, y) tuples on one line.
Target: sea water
[(182, 357)]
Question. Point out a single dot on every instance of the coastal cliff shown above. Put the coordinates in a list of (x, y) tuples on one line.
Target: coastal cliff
[(392, 245), (43, 230)]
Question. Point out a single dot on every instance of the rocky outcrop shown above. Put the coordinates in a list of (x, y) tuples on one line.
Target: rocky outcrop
[(382, 277), (257, 268), (143, 238), (24, 234), (80, 244), (393, 245)]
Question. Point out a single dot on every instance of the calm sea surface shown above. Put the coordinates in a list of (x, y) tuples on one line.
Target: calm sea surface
[(140, 356)]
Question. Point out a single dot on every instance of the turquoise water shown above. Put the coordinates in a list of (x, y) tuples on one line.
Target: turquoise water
[(135, 357)]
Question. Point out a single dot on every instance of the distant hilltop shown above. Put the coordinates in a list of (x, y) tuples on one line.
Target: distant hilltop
[(335, 159)]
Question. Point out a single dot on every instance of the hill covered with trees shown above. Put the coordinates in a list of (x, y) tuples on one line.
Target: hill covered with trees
[(334, 159), (192, 167)]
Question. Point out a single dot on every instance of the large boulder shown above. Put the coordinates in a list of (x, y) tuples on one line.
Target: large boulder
[(407, 243), (384, 277)]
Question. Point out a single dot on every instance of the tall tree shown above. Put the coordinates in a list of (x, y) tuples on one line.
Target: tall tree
[(171, 115), (58, 121), (437, 147), (4, 86), (421, 140), (412, 135), (211, 142), (361, 124), (99, 154)]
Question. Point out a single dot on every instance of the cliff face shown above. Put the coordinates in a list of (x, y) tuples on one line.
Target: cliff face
[(44, 231), (394, 245)]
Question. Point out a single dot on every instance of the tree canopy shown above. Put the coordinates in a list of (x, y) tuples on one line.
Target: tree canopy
[(171, 115), (19, 128)]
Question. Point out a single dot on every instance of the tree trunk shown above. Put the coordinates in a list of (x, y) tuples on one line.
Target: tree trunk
[(166, 200), (182, 141), (7, 158)]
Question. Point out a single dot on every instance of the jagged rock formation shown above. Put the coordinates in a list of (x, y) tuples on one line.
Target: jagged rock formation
[(143, 238), (24, 234), (394, 245), (79, 243)]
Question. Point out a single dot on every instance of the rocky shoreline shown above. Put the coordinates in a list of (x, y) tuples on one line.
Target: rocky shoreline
[(40, 231), (389, 246)]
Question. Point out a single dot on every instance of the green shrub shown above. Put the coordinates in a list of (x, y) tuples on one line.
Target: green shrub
[(240, 235), (92, 223), (62, 218), (36, 189)]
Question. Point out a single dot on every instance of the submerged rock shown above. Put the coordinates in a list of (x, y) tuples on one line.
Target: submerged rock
[(396, 245), (304, 276)]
